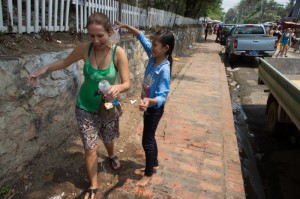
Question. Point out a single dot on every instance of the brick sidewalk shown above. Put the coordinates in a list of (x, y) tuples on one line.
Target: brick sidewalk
[(197, 145)]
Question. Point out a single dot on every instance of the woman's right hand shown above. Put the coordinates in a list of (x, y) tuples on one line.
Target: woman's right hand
[(33, 77)]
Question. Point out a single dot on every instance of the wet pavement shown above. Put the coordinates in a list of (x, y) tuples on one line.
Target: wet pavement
[(198, 151)]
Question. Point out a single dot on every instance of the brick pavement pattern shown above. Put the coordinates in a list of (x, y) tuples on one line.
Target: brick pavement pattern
[(198, 151)]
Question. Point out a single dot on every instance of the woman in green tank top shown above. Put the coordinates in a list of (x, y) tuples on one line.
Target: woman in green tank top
[(102, 61)]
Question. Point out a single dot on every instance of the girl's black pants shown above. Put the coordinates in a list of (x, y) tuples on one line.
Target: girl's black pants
[(151, 119)]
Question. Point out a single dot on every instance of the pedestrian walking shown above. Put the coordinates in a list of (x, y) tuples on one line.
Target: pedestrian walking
[(277, 33), (293, 39), (296, 43), (207, 28), (285, 40), (219, 31), (103, 61), (155, 88)]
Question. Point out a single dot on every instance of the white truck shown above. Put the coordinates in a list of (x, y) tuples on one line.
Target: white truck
[(249, 40)]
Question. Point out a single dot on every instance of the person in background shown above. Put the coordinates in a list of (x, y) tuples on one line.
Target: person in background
[(271, 31), (207, 28), (219, 30), (285, 40), (290, 34), (155, 89), (103, 61), (277, 33), (215, 29), (293, 37), (297, 42)]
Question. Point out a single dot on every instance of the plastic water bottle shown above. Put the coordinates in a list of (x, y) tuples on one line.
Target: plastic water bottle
[(115, 38), (104, 87)]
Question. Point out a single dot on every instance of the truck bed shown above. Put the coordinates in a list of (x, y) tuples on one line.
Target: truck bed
[(294, 79), (282, 76), (290, 68), (297, 82)]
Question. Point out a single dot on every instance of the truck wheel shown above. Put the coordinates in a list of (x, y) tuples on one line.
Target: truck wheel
[(272, 118), (260, 81), (256, 61)]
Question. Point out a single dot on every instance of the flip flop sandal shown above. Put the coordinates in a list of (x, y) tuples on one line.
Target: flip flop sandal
[(91, 192), (115, 163)]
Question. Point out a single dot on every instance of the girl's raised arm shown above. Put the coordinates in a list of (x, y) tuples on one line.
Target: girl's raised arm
[(144, 41), (131, 29)]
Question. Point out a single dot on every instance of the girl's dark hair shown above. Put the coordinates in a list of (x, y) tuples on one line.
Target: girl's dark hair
[(99, 19), (166, 37)]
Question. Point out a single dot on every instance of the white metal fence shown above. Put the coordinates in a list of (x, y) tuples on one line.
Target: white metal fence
[(20, 16)]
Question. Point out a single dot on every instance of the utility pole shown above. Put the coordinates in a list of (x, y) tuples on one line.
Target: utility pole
[(296, 10), (262, 10), (120, 10)]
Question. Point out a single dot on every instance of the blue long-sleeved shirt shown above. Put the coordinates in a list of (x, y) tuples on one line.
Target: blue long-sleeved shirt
[(156, 83)]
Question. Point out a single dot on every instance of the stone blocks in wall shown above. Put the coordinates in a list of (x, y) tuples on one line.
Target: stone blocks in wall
[(32, 119)]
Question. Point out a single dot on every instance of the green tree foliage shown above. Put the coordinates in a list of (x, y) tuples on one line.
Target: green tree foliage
[(215, 11), (175, 6), (196, 9), (231, 16), (187, 8), (289, 6), (257, 11)]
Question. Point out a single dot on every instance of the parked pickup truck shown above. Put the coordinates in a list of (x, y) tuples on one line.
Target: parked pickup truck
[(282, 77), (249, 40)]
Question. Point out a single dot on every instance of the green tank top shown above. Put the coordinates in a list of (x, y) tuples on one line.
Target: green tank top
[(86, 99)]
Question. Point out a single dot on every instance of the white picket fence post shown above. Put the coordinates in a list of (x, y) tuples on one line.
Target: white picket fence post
[(58, 12), (50, 15), (20, 27), (1, 18)]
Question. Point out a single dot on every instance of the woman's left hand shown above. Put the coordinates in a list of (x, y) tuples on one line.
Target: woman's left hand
[(112, 93)]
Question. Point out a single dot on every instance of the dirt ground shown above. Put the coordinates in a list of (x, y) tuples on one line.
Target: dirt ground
[(60, 172), (20, 44)]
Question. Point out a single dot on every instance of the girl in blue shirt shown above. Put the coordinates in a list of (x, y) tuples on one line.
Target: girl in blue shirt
[(155, 88)]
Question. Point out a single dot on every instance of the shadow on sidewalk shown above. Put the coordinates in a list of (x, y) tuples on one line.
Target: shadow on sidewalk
[(125, 175)]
